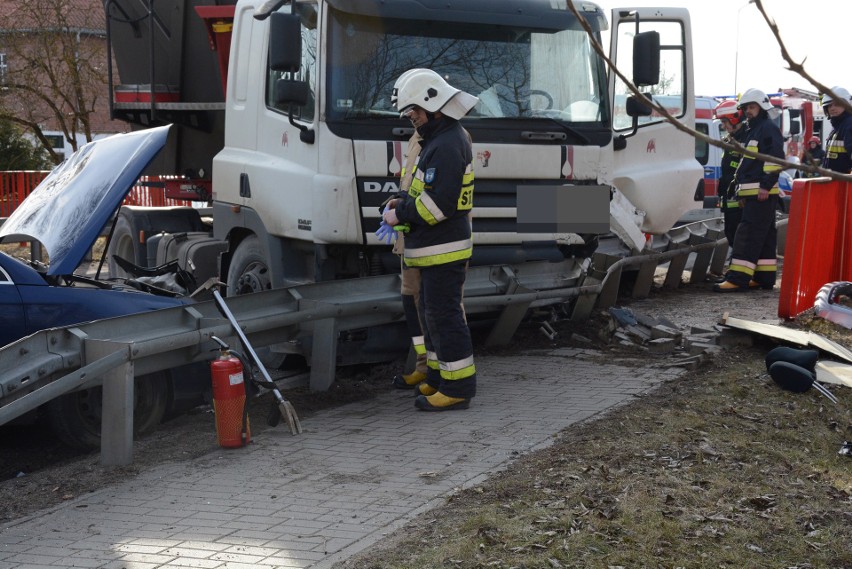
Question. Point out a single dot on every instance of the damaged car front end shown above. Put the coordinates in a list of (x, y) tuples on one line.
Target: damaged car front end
[(66, 214)]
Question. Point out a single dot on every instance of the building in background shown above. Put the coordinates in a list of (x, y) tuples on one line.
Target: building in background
[(53, 72)]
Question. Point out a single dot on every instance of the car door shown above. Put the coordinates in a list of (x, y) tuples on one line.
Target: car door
[(12, 321)]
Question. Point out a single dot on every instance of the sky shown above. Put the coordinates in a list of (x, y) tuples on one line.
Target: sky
[(728, 63)]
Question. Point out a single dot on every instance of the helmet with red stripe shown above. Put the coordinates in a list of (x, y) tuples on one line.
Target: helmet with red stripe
[(728, 110)]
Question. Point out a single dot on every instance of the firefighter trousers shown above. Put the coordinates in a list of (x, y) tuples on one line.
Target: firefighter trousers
[(449, 348), (754, 256), (732, 214)]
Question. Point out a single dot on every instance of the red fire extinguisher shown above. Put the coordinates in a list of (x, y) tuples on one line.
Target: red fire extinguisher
[(229, 399)]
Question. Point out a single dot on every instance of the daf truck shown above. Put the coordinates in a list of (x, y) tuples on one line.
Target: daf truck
[(284, 126)]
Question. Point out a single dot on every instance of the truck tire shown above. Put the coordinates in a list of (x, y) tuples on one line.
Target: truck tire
[(134, 221), (249, 269), (75, 418), (123, 244), (249, 272)]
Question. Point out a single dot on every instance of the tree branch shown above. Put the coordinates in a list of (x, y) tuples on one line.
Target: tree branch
[(733, 146)]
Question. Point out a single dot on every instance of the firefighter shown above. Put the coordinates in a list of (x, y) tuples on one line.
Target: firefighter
[(814, 155), (753, 261), (733, 121), (839, 143), (438, 240)]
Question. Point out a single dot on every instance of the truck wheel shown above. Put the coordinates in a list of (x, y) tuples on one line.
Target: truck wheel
[(123, 244), (249, 270), (75, 418)]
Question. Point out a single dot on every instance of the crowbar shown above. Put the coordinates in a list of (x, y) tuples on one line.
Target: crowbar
[(285, 408)]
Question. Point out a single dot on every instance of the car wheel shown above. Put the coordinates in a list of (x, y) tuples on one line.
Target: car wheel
[(76, 417)]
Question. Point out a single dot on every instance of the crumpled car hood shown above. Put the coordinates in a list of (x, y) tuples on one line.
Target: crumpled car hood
[(67, 211)]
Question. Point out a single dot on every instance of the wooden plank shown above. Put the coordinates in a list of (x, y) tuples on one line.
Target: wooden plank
[(789, 335), (798, 337), (834, 372)]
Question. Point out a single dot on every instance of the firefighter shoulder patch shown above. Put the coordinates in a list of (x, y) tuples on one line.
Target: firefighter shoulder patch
[(429, 176)]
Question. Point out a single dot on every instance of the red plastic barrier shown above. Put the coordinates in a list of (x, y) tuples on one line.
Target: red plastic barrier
[(819, 242), (15, 186)]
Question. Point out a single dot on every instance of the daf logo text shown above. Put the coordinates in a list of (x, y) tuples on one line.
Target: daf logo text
[(381, 187)]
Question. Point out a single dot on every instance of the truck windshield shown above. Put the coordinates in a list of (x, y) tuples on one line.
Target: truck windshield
[(516, 73)]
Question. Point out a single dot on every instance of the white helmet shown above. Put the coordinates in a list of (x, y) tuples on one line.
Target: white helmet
[(755, 96), (399, 81), (841, 93), (426, 89)]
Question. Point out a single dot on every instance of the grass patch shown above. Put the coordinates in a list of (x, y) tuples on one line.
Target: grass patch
[(718, 469)]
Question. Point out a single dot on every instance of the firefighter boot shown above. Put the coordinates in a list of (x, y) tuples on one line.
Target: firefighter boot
[(409, 380), (440, 402), (754, 284), (728, 286), (425, 390)]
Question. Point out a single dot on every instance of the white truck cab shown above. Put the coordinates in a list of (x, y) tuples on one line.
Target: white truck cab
[(311, 145)]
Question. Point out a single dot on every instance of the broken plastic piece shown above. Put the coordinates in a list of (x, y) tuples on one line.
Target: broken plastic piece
[(826, 305), (624, 316)]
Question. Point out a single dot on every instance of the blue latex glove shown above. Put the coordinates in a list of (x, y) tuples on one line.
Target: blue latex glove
[(385, 233)]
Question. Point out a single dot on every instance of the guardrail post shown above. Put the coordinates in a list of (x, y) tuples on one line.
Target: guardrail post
[(511, 315), (323, 354), (674, 274), (702, 260), (609, 293), (720, 253), (117, 405), (644, 279)]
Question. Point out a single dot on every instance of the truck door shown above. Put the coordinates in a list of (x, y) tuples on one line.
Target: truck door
[(654, 163)]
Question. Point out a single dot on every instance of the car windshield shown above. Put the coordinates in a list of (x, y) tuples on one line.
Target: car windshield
[(516, 73)]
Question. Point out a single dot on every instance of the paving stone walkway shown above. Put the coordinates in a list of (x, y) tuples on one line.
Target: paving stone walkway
[(355, 474)]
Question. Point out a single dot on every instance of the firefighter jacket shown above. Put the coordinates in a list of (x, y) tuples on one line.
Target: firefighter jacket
[(730, 161), (765, 137), (839, 145), (440, 197)]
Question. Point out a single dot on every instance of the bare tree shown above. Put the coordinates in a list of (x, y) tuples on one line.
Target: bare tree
[(56, 67)]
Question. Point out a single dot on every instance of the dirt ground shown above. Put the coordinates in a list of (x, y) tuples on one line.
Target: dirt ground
[(193, 435)]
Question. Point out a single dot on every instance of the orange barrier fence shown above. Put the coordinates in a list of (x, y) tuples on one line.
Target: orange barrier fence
[(819, 242), (16, 186)]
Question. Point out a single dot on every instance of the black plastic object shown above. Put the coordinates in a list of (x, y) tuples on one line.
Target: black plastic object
[(802, 358), (791, 377)]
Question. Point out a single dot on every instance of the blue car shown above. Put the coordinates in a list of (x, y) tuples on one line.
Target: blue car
[(66, 213)]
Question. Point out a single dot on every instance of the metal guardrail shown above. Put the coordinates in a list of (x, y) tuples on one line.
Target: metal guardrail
[(111, 352)]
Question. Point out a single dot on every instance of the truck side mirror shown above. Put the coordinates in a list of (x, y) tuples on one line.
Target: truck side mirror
[(636, 108), (285, 42), (294, 93), (646, 58), (291, 92)]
